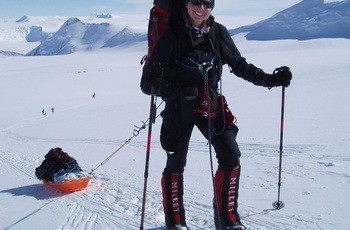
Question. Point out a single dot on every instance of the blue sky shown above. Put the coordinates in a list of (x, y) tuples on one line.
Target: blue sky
[(18, 8)]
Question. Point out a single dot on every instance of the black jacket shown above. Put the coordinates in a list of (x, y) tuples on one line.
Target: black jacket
[(177, 48)]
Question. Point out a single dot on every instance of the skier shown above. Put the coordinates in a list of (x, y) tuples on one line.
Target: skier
[(186, 67)]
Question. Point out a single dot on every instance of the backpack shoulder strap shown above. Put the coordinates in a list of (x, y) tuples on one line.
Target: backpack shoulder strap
[(216, 45), (216, 40)]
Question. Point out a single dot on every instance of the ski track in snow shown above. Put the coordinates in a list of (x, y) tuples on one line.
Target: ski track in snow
[(111, 201)]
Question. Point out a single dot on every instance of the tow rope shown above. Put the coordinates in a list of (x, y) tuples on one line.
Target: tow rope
[(135, 133)]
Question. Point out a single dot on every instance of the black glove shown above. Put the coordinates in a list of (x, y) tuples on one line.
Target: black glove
[(281, 77), (154, 75)]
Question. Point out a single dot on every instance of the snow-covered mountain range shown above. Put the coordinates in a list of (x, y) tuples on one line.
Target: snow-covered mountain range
[(308, 19), (76, 35)]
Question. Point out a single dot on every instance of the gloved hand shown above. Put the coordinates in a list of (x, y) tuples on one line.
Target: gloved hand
[(155, 75), (281, 77)]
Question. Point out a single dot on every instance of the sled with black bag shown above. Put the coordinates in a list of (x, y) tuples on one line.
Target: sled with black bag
[(62, 172)]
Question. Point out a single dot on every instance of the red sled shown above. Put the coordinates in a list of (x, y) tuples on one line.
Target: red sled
[(69, 186)]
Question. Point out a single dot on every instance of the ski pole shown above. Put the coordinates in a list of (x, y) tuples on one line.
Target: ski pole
[(152, 119), (204, 68), (279, 204)]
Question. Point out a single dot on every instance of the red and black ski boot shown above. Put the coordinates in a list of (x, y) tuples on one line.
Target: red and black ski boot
[(172, 191), (225, 205)]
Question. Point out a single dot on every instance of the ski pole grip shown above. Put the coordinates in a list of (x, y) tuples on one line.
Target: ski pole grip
[(153, 113)]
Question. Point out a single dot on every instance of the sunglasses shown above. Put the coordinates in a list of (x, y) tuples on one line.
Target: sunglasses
[(206, 4)]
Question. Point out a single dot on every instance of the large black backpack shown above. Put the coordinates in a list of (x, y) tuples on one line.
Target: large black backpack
[(159, 18), (160, 15)]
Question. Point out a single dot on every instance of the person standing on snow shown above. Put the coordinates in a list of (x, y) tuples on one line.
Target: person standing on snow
[(186, 67)]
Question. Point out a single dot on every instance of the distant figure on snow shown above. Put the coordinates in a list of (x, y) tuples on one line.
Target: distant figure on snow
[(43, 112), (52, 110), (93, 95)]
